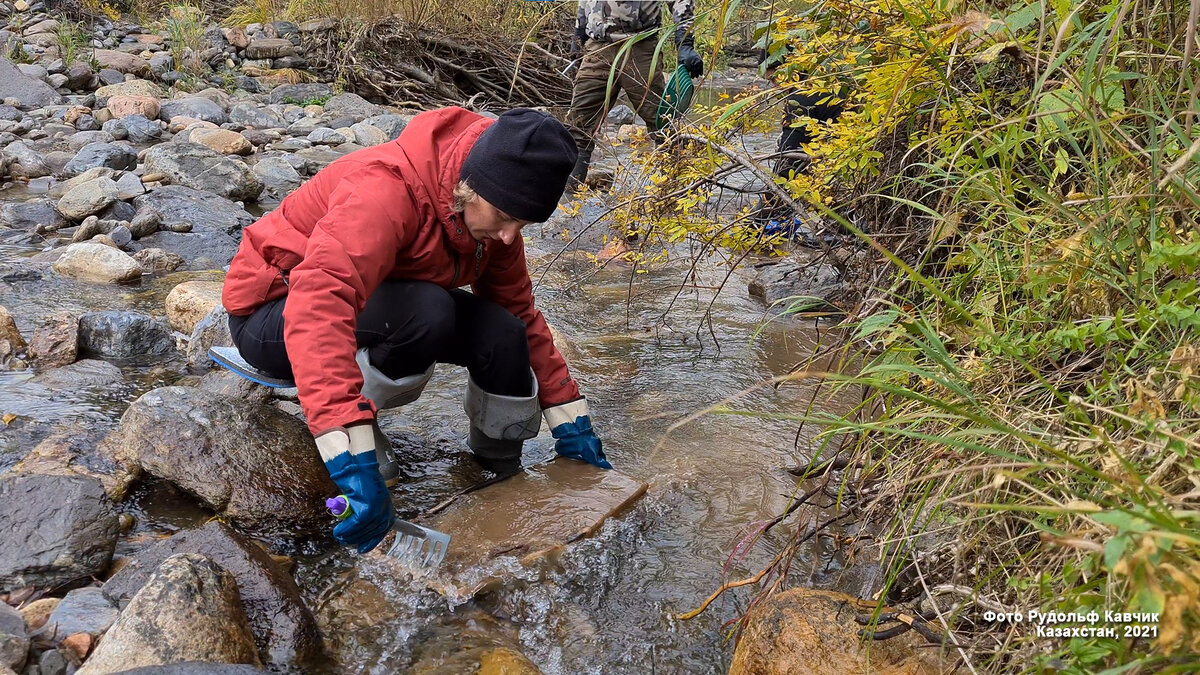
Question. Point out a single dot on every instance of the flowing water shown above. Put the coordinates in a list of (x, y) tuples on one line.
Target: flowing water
[(648, 350)]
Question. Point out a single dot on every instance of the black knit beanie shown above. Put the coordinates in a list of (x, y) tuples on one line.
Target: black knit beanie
[(520, 164)]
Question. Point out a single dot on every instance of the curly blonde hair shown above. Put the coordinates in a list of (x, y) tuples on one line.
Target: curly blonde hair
[(463, 194)]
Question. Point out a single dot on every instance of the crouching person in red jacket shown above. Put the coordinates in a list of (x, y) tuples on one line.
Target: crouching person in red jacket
[(351, 288)]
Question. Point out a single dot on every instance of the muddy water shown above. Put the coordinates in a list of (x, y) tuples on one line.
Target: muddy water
[(648, 350)]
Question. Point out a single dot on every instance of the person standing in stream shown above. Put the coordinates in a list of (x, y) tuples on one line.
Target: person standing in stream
[(352, 288)]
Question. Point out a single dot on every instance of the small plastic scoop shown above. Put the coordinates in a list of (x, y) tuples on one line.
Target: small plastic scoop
[(415, 546)]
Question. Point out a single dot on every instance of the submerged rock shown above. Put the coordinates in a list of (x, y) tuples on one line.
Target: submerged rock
[(284, 629), (188, 610), (803, 631), (252, 464), (116, 334), (59, 531)]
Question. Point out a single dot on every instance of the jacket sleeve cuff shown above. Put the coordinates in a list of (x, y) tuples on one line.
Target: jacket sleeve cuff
[(355, 439), (566, 413)]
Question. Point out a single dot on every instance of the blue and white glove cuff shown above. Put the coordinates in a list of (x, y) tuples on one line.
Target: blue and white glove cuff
[(355, 440), (566, 413)]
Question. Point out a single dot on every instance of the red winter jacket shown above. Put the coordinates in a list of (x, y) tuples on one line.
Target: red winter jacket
[(379, 213)]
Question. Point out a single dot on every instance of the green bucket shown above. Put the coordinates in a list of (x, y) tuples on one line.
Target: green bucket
[(677, 96)]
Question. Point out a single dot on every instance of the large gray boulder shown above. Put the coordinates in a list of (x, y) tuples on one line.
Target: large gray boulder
[(30, 215), (196, 107), (189, 610), (201, 249), (184, 208), (118, 334), (24, 161), (352, 105), (284, 629), (251, 115), (58, 531), (31, 92), (197, 166), (255, 466), (278, 175), (112, 155)]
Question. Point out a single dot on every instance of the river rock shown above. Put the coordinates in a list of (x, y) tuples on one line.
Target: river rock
[(130, 88), (199, 167), (85, 374), (122, 62), (12, 345), (59, 531), (236, 37), (191, 301), (63, 187), (200, 211), (56, 342), (119, 334), (250, 115), (83, 610), (299, 93), (129, 186), (255, 466), (25, 162), (97, 263), (210, 331), (77, 141), (30, 92), (195, 107), (188, 610), (36, 215), (284, 630), (196, 668), (115, 155), (390, 124), (141, 129), (79, 75), (270, 48), (123, 105), (367, 135), (38, 612), (803, 631), (91, 197), (352, 105), (202, 249), (14, 640), (278, 177), (158, 261), (818, 282), (223, 141)]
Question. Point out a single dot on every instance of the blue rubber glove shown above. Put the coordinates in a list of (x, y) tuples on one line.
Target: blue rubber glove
[(571, 424), (349, 456)]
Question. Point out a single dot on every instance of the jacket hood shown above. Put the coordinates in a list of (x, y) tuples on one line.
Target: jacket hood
[(436, 144)]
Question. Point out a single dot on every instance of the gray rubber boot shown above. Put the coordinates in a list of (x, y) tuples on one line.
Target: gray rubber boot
[(387, 393), (500, 426)]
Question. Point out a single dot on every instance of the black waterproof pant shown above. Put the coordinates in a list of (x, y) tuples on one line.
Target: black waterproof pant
[(799, 106), (407, 326)]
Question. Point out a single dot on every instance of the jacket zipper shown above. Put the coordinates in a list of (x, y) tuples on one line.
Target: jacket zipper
[(454, 281), (478, 257)]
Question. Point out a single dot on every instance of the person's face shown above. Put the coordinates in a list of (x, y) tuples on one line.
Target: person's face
[(486, 222)]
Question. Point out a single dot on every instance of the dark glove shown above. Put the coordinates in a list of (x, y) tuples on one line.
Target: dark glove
[(349, 456), (580, 40), (688, 57), (571, 424)]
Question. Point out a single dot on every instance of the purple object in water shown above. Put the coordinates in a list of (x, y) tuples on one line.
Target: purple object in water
[(338, 506)]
